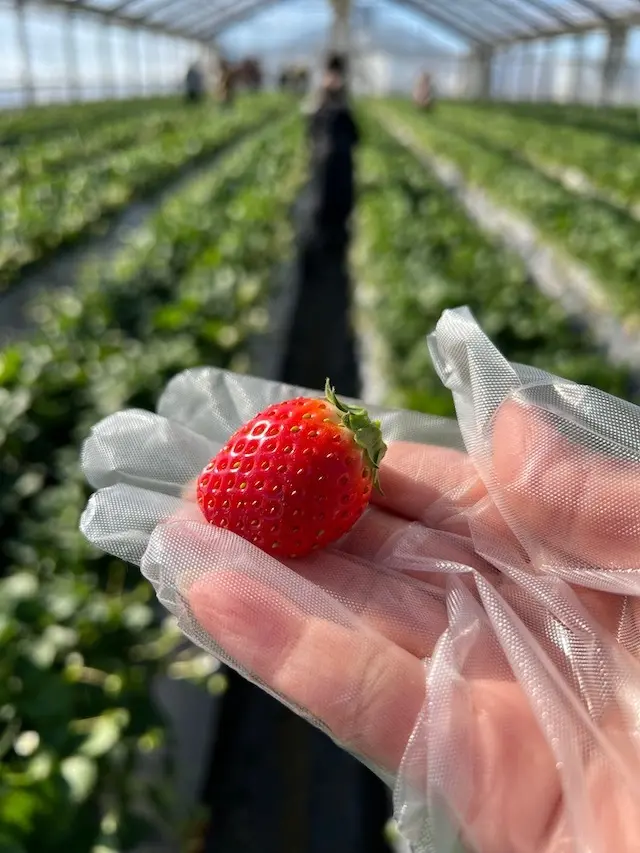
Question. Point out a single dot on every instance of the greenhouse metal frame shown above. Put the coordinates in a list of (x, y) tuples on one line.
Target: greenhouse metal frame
[(517, 31)]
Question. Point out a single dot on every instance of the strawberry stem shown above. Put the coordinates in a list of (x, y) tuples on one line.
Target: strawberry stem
[(366, 433)]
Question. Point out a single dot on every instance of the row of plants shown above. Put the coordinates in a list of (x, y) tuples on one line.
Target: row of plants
[(49, 210), (604, 238), (41, 156), (612, 165), (622, 122), (20, 125), (417, 254), (80, 640)]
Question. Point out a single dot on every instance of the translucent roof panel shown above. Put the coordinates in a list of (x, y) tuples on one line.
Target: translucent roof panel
[(578, 11), (385, 24), (473, 21)]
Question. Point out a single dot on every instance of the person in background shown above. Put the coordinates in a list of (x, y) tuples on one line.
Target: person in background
[(423, 92), (225, 83), (194, 84), (333, 136), (322, 338)]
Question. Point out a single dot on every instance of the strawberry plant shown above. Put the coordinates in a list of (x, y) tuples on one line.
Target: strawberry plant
[(43, 156), (33, 123), (53, 208), (610, 163), (81, 639), (413, 234), (617, 121), (604, 238)]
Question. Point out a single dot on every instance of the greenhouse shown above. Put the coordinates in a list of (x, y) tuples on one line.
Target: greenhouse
[(208, 209), (561, 50)]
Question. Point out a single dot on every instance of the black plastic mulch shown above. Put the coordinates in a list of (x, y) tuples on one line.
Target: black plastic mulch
[(276, 784)]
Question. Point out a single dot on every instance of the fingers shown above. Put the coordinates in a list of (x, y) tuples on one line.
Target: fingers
[(564, 495), (120, 519), (408, 612), (515, 788), (284, 631), (364, 689), (215, 403), (429, 484), (145, 450), (557, 495), (422, 552)]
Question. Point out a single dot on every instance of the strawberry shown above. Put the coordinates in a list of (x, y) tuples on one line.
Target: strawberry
[(296, 477)]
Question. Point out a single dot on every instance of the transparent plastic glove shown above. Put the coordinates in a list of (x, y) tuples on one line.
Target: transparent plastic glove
[(474, 639)]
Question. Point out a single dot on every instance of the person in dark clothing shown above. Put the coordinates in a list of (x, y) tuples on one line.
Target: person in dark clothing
[(194, 84), (321, 344), (333, 135)]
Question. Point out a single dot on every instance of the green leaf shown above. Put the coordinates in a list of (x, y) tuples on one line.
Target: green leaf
[(80, 773), (104, 735)]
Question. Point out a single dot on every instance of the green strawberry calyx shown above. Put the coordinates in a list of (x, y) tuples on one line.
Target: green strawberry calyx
[(367, 434)]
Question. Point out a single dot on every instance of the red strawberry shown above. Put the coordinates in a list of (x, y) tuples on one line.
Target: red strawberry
[(295, 478)]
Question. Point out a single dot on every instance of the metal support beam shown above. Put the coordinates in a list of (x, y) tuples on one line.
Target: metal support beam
[(474, 22), (199, 21), (106, 59), (480, 71), (522, 71), (488, 18), (173, 12), (450, 21), (596, 10), (550, 11), (95, 11), (631, 19), (614, 61), (446, 18), (71, 55), (121, 7), (517, 14), (234, 13), (164, 52), (340, 35), (140, 63), (578, 66), (149, 14), (534, 63), (26, 71)]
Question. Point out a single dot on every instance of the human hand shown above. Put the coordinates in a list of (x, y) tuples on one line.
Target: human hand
[(474, 638)]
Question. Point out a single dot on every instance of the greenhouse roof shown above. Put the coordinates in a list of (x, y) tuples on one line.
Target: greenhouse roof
[(478, 22)]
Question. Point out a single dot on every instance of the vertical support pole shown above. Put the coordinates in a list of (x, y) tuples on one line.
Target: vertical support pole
[(340, 30), (578, 67), (553, 60), (106, 59), (614, 62), (546, 71), (24, 47), (140, 62), (163, 62), (152, 63), (178, 71), (519, 70), (532, 69), (70, 55), (163, 55), (482, 73), (528, 67), (158, 65), (497, 75), (563, 64)]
